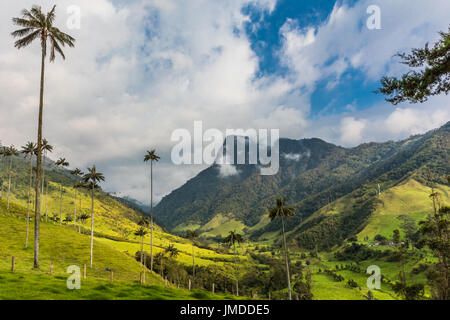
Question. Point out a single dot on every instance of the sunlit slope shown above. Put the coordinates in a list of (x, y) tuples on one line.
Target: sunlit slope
[(410, 199), (115, 222)]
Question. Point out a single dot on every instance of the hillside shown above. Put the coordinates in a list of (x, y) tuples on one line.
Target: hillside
[(313, 174)]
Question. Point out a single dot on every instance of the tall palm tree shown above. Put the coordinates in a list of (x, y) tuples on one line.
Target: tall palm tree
[(192, 235), (77, 173), (282, 211), (79, 186), (28, 150), (10, 153), (91, 179), (172, 251), (144, 222), (141, 232), (83, 218), (46, 148), (151, 156), (231, 240), (62, 163), (3, 152), (34, 25)]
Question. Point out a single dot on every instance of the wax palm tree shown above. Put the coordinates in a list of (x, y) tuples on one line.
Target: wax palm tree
[(144, 222), (141, 232), (3, 152), (28, 150), (192, 235), (10, 153), (77, 173), (83, 218), (282, 211), (172, 251), (231, 240), (151, 156), (62, 163), (91, 179), (46, 148), (34, 25), (79, 186)]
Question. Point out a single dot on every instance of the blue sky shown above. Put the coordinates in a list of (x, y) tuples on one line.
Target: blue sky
[(144, 68)]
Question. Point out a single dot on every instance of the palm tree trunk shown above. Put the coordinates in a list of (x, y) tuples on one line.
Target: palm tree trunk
[(193, 261), (92, 223), (75, 215), (151, 216), (60, 205), (37, 218), (287, 260), (46, 199), (9, 180), (79, 222), (237, 271), (29, 200)]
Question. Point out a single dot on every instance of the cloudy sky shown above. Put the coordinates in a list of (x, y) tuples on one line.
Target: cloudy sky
[(143, 68)]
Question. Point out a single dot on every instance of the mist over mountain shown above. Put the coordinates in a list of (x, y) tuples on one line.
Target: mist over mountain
[(313, 174)]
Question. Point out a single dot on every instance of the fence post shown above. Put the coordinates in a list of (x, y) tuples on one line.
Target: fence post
[(189, 284), (51, 267), (13, 262), (165, 282), (84, 272), (213, 287)]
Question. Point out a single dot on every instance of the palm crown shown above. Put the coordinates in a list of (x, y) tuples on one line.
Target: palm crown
[(233, 238), (76, 172), (35, 24), (45, 146), (29, 149), (151, 156), (281, 210), (92, 177), (62, 162)]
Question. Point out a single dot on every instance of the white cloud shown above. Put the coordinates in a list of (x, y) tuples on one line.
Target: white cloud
[(227, 170), (352, 130)]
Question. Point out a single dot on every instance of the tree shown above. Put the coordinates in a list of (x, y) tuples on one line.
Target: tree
[(143, 222), (434, 233), (282, 211), (141, 233), (151, 156), (62, 163), (46, 147), (77, 173), (91, 179), (192, 235), (231, 240), (10, 153), (36, 25), (396, 236), (418, 86), (83, 218), (172, 251), (28, 150)]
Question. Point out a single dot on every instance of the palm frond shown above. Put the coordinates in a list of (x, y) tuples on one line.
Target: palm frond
[(22, 32), (27, 40)]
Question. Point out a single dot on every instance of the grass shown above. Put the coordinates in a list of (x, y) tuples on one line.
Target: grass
[(411, 199)]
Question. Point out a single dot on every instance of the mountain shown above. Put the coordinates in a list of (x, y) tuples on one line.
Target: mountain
[(313, 175)]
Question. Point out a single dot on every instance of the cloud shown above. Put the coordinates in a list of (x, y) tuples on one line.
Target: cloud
[(351, 130), (227, 170), (296, 156), (141, 69)]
